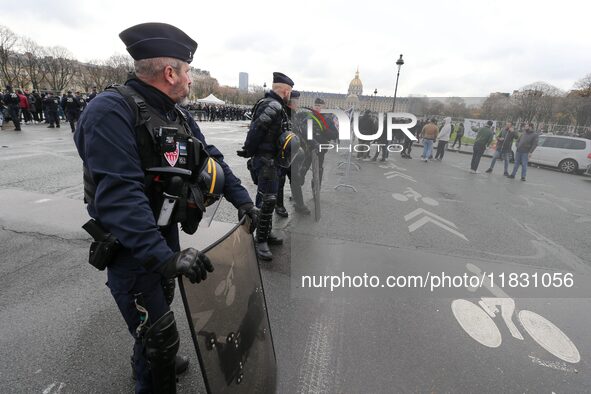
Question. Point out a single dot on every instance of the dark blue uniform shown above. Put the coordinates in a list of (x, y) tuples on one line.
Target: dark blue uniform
[(71, 106), (51, 105), (11, 100), (269, 121), (106, 141)]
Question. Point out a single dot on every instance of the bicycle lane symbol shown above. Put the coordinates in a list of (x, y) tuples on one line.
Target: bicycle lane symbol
[(410, 193), (477, 321)]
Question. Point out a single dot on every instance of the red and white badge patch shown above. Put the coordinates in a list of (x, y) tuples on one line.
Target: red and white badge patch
[(172, 157)]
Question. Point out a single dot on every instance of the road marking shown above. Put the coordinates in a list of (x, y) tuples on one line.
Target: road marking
[(557, 365), (431, 218), (476, 323), (394, 174), (479, 323), (409, 193), (42, 200), (550, 337), (392, 167), (527, 200), (49, 388)]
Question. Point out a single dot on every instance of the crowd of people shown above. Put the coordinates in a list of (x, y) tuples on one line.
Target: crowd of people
[(20, 106), (485, 136), (217, 112), (24, 107)]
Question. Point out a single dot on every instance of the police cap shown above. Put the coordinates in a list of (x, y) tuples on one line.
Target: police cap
[(295, 94), (282, 78), (319, 101), (150, 40)]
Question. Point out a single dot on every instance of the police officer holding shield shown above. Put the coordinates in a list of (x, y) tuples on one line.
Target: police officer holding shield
[(267, 142), (147, 167)]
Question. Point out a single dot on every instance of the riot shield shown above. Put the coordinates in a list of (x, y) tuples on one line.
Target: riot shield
[(316, 185), (228, 319)]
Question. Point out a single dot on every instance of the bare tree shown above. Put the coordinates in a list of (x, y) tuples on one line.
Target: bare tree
[(456, 107), (84, 78), (418, 105), (497, 106), (583, 86), (97, 72), (59, 66), (32, 58), (8, 41), (537, 102), (117, 68)]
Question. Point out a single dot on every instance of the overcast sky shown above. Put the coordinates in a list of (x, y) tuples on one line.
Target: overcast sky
[(458, 48)]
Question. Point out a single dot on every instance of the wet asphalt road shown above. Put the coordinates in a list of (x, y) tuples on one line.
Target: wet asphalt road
[(62, 333)]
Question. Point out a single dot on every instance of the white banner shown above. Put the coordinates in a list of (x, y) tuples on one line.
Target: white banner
[(471, 126)]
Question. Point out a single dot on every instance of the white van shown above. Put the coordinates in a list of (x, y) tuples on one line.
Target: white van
[(569, 154)]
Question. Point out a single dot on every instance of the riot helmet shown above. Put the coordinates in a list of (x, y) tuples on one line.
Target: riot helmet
[(289, 148), (211, 182)]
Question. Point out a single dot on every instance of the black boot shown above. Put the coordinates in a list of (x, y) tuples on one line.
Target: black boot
[(264, 227), (281, 211), (181, 365), (263, 251)]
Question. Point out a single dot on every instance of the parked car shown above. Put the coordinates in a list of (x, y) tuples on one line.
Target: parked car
[(588, 172), (568, 154)]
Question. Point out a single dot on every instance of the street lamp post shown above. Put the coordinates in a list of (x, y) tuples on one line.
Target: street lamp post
[(375, 94), (264, 87), (399, 63)]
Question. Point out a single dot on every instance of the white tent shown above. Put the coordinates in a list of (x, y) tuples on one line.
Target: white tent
[(211, 99)]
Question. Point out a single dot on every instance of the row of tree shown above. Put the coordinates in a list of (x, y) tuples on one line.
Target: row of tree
[(27, 65), (538, 102)]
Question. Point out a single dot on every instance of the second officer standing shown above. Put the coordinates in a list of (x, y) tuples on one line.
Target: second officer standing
[(269, 126)]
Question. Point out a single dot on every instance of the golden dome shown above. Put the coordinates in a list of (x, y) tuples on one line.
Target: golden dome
[(356, 86)]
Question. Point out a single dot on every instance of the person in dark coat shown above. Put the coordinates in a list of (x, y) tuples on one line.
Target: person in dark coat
[(12, 101), (113, 138)]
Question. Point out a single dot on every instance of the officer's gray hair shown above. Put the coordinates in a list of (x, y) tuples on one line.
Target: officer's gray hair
[(151, 68)]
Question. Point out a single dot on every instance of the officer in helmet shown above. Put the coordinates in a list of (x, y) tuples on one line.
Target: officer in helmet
[(270, 120), (147, 168)]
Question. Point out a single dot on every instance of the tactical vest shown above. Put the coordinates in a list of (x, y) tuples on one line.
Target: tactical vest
[(167, 148), (269, 144)]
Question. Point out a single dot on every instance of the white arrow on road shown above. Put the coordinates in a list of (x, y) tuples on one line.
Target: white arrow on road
[(431, 218), (394, 174)]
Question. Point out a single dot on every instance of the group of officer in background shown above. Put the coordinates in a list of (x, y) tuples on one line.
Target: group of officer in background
[(277, 148), (215, 112), (21, 106)]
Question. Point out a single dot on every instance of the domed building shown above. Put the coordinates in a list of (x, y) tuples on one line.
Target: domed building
[(354, 98), (355, 86)]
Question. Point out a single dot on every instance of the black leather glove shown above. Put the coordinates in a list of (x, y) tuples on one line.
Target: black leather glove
[(243, 152), (252, 212), (168, 287), (189, 262)]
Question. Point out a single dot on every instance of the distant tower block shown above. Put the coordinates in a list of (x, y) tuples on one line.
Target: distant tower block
[(243, 81)]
